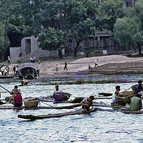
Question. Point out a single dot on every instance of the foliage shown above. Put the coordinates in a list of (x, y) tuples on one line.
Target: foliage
[(128, 31), (109, 11)]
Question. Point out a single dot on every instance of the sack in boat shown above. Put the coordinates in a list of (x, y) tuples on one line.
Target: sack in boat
[(123, 100), (30, 103), (126, 93)]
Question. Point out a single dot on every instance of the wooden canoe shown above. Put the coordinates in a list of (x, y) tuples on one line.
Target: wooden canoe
[(77, 112), (4, 107), (105, 94)]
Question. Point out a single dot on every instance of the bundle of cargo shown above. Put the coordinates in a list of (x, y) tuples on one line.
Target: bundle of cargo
[(30, 103)]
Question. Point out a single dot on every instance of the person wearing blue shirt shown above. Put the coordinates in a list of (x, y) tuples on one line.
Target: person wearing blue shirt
[(138, 87)]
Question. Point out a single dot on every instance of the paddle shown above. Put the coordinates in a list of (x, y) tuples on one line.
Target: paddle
[(5, 89)]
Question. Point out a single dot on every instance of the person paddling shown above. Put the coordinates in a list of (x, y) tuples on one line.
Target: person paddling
[(24, 82), (58, 94), (17, 98), (86, 103)]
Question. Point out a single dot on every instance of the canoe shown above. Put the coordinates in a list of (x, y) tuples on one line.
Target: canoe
[(77, 112), (6, 107), (105, 94)]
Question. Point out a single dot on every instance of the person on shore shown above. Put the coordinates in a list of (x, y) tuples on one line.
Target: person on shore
[(139, 87), (136, 103), (17, 98), (89, 67), (14, 69), (65, 67), (86, 103), (57, 69), (116, 93), (95, 61), (58, 94)]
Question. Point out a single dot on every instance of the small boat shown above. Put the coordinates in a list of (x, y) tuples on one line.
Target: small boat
[(27, 71), (76, 112)]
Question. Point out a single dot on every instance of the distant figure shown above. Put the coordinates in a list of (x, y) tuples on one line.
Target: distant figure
[(38, 72), (95, 61), (58, 94), (31, 60), (65, 67), (17, 98), (117, 93), (24, 82), (14, 69), (136, 103), (34, 58), (139, 87), (8, 59), (57, 68), (86, 103), (89, 67)]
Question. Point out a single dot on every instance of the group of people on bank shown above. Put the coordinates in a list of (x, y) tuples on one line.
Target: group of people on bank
[(135, 100)]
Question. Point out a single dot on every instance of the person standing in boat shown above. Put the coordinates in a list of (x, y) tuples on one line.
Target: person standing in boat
[(58, 94), (116, 93), (139, 87), (86, 103), (17, 98)]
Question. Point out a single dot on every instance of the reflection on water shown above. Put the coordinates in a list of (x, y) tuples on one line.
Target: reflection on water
[(100, 126)]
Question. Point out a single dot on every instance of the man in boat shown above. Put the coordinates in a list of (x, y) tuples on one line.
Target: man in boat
[(24, 82), (17, 98), (58, 94), (116, 93), (139, 87), (86, 103), (136, 103)]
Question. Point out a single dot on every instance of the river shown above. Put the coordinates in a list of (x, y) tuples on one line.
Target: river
[(100, 126)]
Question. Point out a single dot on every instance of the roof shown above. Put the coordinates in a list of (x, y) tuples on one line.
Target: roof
[(27, 65)]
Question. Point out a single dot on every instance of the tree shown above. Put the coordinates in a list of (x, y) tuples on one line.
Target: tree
[(81, 21), (109, 11), (52, 39), (128, 31)]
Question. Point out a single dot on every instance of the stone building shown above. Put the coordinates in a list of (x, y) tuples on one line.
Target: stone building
[(29, 48), (129, 3)]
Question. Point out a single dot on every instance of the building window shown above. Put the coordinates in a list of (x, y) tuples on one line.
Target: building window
[(129, 4)]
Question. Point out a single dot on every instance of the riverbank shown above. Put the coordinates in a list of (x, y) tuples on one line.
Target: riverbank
[(110, 64)]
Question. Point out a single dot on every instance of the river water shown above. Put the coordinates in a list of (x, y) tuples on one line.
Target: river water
[(100, 126)]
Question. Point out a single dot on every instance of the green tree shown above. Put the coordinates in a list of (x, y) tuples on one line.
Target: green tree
[(109, 11), (52, 39), (128, 31)]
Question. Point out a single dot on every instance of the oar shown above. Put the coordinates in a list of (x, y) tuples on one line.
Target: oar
[(5, 89)]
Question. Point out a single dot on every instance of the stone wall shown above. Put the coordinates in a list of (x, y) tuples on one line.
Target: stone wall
[(29, 48)]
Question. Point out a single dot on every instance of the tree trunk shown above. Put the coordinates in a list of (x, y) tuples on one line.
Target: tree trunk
[(60, 54), (76, 49), (139, 48)]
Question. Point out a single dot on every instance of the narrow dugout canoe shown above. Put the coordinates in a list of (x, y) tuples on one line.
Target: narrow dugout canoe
[(77, 112), (4, 107)]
